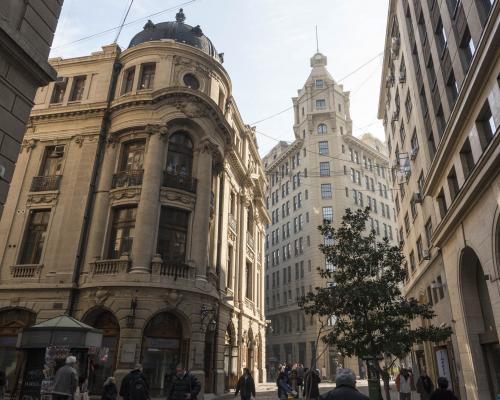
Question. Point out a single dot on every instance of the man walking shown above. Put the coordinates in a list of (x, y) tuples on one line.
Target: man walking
[(134, 385), (404, 384), (345, 387), (424, 385), (65, 381), (185, 386), (245, 386)]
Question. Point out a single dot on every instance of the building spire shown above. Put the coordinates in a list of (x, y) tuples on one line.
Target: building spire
[(317, 42)]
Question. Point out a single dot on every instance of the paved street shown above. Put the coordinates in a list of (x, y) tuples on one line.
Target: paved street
[(268, 390)]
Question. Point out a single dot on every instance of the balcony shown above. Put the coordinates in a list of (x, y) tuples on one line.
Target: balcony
[(26, 271), (131, 177), (172, 269), (45, 183), (110, 267), (181, 182)]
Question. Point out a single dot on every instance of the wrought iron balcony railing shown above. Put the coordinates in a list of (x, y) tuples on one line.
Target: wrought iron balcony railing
[(131, 177), (44, 183), (181, 182)]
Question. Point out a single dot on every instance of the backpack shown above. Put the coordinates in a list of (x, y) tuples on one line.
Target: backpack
[(138, 389)]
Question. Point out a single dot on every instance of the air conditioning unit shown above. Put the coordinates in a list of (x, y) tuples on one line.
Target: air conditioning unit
[(426, 255), (417, 197), (413, 153)]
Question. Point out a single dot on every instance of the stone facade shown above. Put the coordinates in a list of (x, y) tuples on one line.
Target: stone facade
[(441, 64), (26, 32), (315, 178), (137, 205)]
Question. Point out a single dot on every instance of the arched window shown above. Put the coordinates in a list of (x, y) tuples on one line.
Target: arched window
[(180, 154), (322, 129)]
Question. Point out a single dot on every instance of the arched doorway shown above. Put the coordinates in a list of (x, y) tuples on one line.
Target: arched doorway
[(230, 358), (12, 322), (102, 364), (483, 338), (164, 346)]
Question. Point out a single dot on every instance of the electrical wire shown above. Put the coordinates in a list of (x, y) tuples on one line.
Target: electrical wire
[(184, 4), (123, 21)]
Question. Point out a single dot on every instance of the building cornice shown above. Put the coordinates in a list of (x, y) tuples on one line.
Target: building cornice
[(292, 147), (482, 63), (366, 147)]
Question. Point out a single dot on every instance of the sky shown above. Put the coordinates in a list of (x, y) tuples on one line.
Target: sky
[(267, 45)]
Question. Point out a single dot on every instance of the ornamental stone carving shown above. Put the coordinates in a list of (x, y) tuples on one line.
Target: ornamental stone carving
[(101, 295), (28, 144), (207, 146), (47, 198), (125, 194), (172, 195)]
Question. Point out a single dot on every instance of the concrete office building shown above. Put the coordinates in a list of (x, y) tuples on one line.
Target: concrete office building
[(440, 102), (26, 33), (137, 206), (314, 179)]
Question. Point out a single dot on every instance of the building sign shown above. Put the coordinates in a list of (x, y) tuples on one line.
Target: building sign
[(443, 366)]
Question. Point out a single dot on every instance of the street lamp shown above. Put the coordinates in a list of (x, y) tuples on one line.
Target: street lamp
[(131, 317), (208, 315)]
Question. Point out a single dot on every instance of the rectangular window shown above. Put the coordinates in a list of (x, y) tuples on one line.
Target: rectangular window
[(467, 48), (441, 35), (323, 148), (122, 232), (128, 80), (443, 208), (320, 83), (34, 238), (52, 160), (453, 184), (78, 87), (428, 232), (420, 249), (172, 234), (412, 261), (324, 168), (249, 281), (326, 191), (408, 105), (431, 144), (147, 76), (466, 158), (327, 215), (320, 104), (59, 90), (486, 126), (452, 87), (407, 223)]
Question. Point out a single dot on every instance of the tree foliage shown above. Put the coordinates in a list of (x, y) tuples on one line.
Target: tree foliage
[(363, 299)]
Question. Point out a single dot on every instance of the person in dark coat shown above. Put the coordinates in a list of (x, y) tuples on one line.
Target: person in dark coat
[(185, 386), (134, 385), (245, 385), (311, 385), (424, 385), (283, 388), (442, 392), (3, 384), (345, 389), (109, 390), (65, 381)]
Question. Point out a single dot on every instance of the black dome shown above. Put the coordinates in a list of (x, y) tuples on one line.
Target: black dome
[(178, 31)]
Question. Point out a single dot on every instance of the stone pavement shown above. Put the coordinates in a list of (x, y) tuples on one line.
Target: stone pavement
[(267, 391)]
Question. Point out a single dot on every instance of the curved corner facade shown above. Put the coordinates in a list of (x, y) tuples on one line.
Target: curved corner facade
[(137, 206)]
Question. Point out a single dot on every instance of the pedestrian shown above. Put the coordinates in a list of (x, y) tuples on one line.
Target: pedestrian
[(134, 385), (293, 379), (185, 386), (84, 388), (284, 388), (3, 384), (424, 385), (345, 388), (272, 373), (300, 378), (311, 385), (404, 384), (442, 392), (66, 381), (245, 386), (109, 390)]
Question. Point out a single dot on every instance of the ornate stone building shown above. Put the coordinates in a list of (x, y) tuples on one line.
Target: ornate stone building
[(440, 102), (137, 206), (26, 33), (314, 179)]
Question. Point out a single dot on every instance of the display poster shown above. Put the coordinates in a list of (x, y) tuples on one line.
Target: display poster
[(443, 366)]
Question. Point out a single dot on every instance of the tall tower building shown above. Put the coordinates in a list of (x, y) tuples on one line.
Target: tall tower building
[(312, 180), (440, 102), (137, 206)]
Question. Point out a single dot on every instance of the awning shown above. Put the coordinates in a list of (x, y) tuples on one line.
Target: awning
[(59, 331)]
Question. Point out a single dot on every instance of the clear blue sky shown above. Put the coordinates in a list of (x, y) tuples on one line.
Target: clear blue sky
[(267, 46)]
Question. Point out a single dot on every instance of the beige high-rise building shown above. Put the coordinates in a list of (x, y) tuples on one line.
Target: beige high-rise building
[(137, 206), (26, 32), (440, 102), (314, 179)]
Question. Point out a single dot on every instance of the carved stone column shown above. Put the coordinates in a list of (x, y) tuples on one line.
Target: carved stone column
[(144, 244), (200, 231), (101, 206)]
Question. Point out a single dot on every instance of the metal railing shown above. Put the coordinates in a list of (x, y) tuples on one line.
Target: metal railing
[(131, 177), (181, 182), (45, 183)]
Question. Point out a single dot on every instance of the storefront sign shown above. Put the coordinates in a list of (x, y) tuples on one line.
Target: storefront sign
[(443, 366)]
